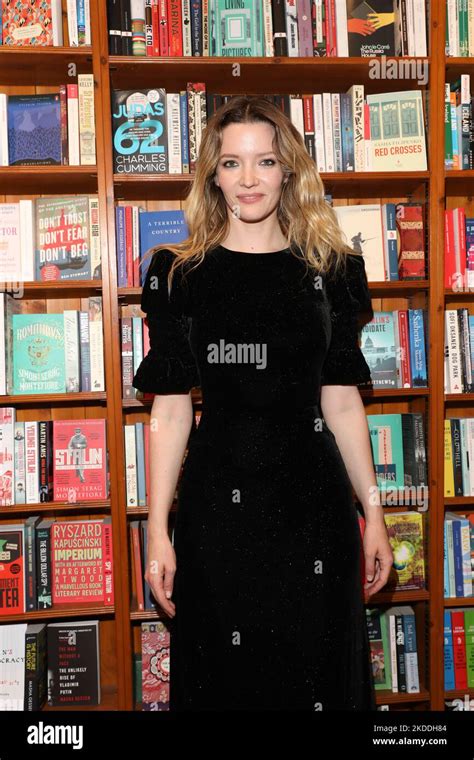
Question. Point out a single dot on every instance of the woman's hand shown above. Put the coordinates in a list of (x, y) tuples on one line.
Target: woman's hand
[(378, 556), (160, 571)]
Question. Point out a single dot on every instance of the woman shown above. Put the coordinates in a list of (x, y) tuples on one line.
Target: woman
[(262, 585)]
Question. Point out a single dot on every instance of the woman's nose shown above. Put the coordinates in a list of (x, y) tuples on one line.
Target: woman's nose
[(248, 176)]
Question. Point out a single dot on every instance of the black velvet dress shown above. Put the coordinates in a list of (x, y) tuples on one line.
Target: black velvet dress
[(268, 592)]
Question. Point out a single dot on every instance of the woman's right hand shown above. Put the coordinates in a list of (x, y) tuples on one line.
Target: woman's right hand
[(161, 569)]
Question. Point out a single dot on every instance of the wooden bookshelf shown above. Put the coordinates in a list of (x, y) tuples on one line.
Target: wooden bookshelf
[(41, 70)]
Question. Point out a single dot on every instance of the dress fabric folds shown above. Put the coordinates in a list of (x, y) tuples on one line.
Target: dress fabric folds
[(268, 592)]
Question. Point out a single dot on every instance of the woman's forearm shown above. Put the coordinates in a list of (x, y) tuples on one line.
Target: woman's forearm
[(170, 425), (348, 422)]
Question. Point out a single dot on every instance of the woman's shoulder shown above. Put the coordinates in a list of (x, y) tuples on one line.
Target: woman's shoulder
[(348, 287)]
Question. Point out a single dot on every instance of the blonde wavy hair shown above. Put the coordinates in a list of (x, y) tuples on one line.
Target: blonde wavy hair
[(308, 222)]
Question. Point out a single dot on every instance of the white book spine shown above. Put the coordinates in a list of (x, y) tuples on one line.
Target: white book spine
[(452, 22), (86, 119), (4, 159), (20, 463), (470, 444), (87, 17), (72, 350), (296, 114), (135, 238), (57, 19), (410, 27), (268, 47), (319, 19), (74, 158), (342, 38), (96, 344), (173, 119), (454, 363), (291, 28), (27, 240), (32, 461), (357, 95), (470, 27), (131, 466), (7, 462), (419, 16), (336, 123), (186, 11), (94, 237), (319, 132), (72, 23), (328, 132)]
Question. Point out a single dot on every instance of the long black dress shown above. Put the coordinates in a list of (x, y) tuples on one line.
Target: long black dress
[(268, 592)]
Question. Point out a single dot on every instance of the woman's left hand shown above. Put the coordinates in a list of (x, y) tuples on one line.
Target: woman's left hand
[(378, 556)]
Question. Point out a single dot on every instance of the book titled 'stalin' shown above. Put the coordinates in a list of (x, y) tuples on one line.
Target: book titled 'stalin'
[(80, 460)]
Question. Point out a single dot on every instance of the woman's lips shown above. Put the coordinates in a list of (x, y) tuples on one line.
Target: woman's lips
[(250, 198)]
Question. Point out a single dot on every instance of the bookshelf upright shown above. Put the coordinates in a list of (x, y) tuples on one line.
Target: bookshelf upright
[(40, 70)]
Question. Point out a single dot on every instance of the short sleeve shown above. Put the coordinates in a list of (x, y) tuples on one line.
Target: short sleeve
[(351, 308), (169, 366)]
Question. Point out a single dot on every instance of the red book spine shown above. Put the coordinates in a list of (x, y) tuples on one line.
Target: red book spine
[(404, 348), (449, 259), (155, 22), (332, 28), (461, 220), (108, 562), (459, 649), (137, 566), (163, 27), (175, 21)]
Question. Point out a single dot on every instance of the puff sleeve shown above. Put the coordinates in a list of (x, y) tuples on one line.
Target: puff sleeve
[(169, 366), (351, 308)]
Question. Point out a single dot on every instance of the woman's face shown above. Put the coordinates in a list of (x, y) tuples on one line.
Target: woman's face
[(248, 172)]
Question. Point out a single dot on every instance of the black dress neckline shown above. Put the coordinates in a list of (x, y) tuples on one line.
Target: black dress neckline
[(257, 254)]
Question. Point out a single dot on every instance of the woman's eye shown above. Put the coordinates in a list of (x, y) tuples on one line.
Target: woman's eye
[(231, 162)]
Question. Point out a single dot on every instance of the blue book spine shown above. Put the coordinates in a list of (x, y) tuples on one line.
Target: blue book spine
[(157, 228), (390, 212), (447, 588), (81, 21), (417, 348), (196, 27), (454, 130), (347, 133), (183, 106), (449, 680), (411, 654), (457, 548)]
